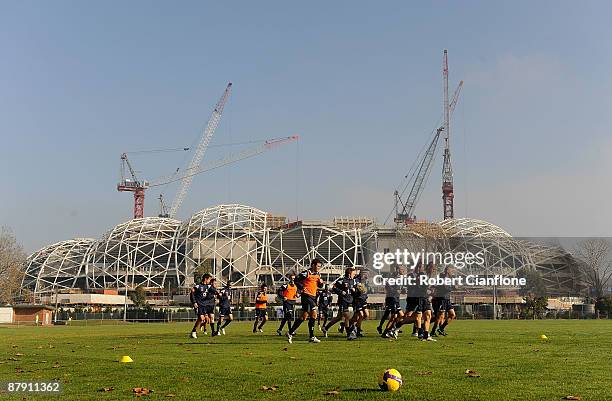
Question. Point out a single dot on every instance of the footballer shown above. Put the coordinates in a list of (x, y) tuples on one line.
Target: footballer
[(309, 281)]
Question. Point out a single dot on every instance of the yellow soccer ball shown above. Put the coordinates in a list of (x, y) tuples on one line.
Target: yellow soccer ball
[(390, 380)]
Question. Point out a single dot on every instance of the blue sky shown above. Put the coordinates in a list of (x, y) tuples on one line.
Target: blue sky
[(81, 82)]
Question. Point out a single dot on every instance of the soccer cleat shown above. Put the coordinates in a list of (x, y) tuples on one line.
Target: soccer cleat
[(429, 339), (194, 335), (279, 332), (223, 331), (442, 333), (213, 334), (324, 331), (314, 340), (394, 334), (254, 330), (205, 333), (289, 338), (414, 335), (340, 329), (261, 330), (379, 329)]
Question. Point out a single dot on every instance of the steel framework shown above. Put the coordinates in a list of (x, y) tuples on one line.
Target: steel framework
[(59, 266), (137, 252), (248, 246)]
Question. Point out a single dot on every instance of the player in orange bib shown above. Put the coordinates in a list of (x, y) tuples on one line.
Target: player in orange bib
[(288, 293), (261, 313), (309, 281)]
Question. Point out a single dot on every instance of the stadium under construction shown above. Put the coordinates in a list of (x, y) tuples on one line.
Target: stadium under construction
[(248, 246)]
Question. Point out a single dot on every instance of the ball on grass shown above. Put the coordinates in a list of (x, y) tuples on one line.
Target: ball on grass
[(390, 380)]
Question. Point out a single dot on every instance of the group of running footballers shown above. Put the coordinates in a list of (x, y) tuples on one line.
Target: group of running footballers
[(428, 309), (204, 297)]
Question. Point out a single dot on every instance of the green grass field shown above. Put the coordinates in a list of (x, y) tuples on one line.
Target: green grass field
[(512, 362)]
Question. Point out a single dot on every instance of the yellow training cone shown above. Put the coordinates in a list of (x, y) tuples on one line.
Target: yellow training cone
[(543, 337), (125, 359)]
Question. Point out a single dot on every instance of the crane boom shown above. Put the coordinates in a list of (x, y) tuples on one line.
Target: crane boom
[(126, 162), (455, 98), (229, 159), (208, 133), (417, 186)]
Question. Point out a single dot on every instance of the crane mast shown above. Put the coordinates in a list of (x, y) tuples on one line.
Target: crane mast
[(447, 167), (209, 131)]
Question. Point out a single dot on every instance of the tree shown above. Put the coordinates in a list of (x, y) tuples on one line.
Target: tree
[(139, 296), (534, 283), (534, 292), (12, 265), (595, 265), (606, 305), (205, 267)]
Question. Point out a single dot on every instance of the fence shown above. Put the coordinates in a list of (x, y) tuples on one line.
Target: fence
[(134, 315)]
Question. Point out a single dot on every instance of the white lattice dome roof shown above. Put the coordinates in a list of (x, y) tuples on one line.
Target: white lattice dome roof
[(56, 266), (142, 249), (465, 227), (224, 217)]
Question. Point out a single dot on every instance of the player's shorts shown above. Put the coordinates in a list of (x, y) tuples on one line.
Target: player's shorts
[(360, 306), (288, 309), (225, 311), (205, 310), (261, 313), (412, 304), (424, 304), (343, 306), (309, 303), (436, 302), (392, 305), (445, 305)]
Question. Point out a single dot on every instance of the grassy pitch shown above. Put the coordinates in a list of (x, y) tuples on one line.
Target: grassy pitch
[(511, 361)]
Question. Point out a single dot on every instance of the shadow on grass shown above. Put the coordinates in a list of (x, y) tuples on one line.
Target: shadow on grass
[(361, 390)]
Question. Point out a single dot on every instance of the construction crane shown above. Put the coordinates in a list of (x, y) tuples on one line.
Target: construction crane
[(132, 185), (209, 131), (139, 187), (416, 180)]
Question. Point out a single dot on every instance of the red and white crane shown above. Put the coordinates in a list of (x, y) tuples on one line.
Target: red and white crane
[(138, 187)]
